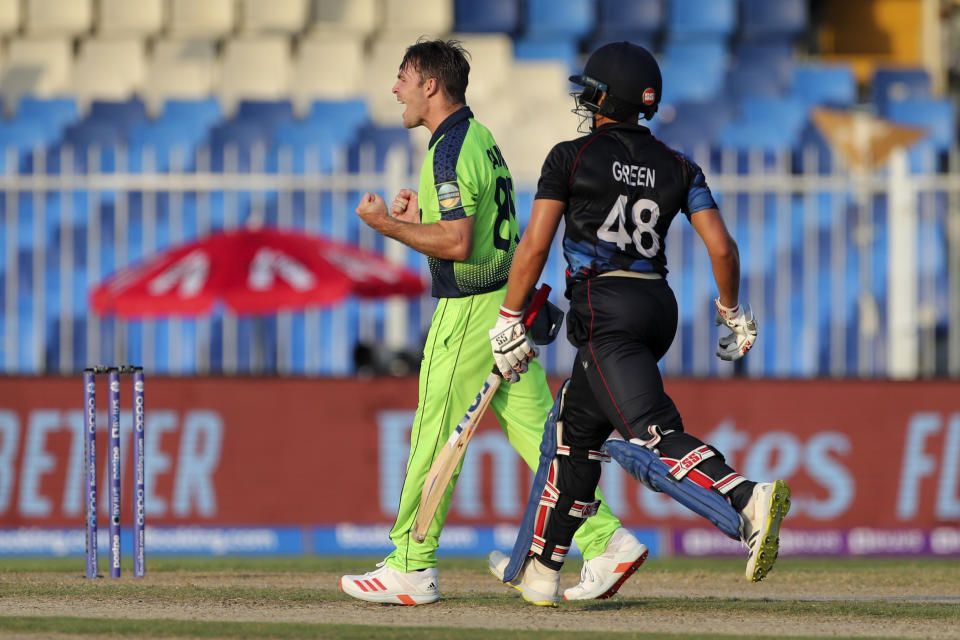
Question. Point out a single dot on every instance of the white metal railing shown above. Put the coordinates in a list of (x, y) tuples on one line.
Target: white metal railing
[(850, 274)]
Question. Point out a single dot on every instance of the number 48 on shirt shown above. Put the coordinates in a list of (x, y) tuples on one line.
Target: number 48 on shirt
[(644, 215)]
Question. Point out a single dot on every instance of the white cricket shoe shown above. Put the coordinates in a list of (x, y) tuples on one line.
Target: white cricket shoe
[(538, 584), (393, 587), (602, 577), (761, 517)]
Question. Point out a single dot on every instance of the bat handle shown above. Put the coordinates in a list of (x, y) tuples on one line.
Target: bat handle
[(539, 297)]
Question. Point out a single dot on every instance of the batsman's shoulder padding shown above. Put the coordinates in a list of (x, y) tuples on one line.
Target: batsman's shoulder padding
[(647, 467)]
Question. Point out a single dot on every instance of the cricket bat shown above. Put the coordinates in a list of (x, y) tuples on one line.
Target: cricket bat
[(438, 478)]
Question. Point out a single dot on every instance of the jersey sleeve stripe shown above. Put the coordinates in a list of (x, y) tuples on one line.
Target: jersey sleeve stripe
[(445, 157)]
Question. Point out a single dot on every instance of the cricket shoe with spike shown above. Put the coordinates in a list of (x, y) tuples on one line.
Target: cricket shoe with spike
[(602, 576), (762, 516), (390, 586), (538, 584)]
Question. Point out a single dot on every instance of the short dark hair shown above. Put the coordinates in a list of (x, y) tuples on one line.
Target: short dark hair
[(445, 60)]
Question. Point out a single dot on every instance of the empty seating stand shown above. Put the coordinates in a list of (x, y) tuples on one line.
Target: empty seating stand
[(303, 88)]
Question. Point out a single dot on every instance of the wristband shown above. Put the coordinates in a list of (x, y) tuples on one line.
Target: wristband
[(726, 311), (509, 314)]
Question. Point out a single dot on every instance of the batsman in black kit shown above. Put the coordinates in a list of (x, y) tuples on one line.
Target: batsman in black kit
[(618, 189)]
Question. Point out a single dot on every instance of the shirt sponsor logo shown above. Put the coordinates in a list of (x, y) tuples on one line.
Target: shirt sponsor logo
[(448, 195)]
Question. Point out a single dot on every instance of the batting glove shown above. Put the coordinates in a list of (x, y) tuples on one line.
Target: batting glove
[(512, 350), (743, 323)]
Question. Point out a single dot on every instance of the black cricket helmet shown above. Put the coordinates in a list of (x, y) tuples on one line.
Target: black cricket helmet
[(628, 74)]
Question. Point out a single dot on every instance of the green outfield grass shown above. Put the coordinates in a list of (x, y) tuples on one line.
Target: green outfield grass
[(335, 564), (268, 585)]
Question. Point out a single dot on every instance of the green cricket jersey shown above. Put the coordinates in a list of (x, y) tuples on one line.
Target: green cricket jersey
[(464, 174)]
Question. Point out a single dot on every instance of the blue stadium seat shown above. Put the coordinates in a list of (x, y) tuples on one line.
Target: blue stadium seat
[(490, 16), (753, 81), (749, 135), (172, 145), (562, 49), (770, 125), (775, 58), (201, 114), (894, 84), (682, 84), (689, 20), (638, 16), (269, 113), (938, 117), (19, 139), (572, 19), (696, 54), (639, 22), (56, 113), (832, 85), (303, 148), (763, 20), (787, 113), (689, 126), (122, 114), (378, 141), (232, 144), (88, 138), (342, 118), (693, 72), (813, 153)]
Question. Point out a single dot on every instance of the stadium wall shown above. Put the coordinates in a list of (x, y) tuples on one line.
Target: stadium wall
[(268, 465)]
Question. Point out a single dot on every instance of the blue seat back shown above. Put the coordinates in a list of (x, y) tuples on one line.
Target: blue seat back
[(690, 126), (638, 16), (831, 85), (747, 135), (380, 141), (306, 147), (18, 139), (342, 118), (693, 72), (937, 116), (773, 57), (89, 138), (269, 113), (692, 19), (123, 114), (489, 16), (235, 143), (891, 84), (562, 49), (199, 114), (753, 81), (778, 20), (559, 18), (56, 112), (167, 144)]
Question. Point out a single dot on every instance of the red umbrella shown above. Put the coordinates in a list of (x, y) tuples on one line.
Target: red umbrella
[(253, 271)]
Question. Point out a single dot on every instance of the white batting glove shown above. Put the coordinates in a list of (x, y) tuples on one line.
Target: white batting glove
[(743, 323), (512, 350)]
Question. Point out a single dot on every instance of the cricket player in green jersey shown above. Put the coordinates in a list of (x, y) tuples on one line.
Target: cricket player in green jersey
[(463, 219)]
